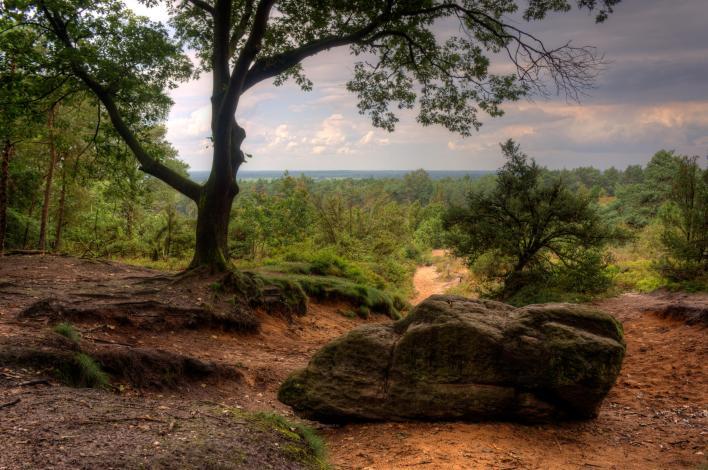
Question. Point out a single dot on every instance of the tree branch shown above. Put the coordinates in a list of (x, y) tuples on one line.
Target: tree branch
[(244, 60), (147, 163), (201, 4), (241, 28), (269, 67)]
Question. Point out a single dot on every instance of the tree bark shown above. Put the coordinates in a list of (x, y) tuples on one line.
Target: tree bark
[(4, 178), (213, 213), (41, 244), (168, 238)]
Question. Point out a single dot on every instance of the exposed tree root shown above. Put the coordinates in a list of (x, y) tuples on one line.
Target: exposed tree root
[(142, 368), (146, 314), (689, 314)]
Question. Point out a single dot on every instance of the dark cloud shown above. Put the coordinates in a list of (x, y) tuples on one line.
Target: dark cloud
[(657, 50)]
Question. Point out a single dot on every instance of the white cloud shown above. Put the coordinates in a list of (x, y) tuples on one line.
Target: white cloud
[(331, 131), (196, 124), (368, 137)]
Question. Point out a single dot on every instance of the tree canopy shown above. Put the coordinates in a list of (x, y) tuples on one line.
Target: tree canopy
[(402, 62)]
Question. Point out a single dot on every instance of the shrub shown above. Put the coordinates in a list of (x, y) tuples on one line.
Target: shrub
[(531, 229)]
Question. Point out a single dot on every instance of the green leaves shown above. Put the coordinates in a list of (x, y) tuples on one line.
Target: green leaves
[(530, 219), (134, 59)]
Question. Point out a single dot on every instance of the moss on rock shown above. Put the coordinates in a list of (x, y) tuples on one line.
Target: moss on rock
[(456, 358)]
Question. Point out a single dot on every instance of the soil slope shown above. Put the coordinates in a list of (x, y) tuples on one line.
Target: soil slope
[(655, 417)]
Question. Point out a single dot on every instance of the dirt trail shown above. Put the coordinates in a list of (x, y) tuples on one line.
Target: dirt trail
[(656, 416), (427, 281)]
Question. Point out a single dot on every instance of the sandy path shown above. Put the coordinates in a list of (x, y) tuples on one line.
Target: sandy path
[(427, 281), (654, 418)]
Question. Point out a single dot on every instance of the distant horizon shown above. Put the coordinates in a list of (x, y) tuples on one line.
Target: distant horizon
[(398, 170), (201, 175)]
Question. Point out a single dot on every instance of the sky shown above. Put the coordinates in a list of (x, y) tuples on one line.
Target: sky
[(651, 95)]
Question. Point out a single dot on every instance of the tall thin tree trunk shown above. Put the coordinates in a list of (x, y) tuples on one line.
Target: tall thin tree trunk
[(60, 211), (168, 238), (25, 238), (129, 219), (48, 185), (4, 177)]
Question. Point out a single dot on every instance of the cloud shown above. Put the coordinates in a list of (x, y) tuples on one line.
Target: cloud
[(652, 94), (331, 131), (368, 137), (196, 124)]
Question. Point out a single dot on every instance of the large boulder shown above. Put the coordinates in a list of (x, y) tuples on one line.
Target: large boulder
[(457, 358)]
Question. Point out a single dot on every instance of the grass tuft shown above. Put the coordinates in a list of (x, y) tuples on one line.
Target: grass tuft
[(305, 445), (67, 330), (83, 371), (334, 288)]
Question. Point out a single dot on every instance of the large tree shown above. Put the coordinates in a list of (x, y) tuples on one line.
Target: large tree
[(129, 61)]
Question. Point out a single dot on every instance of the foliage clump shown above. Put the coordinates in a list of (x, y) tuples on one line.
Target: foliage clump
[(67, 330), (531, 231)]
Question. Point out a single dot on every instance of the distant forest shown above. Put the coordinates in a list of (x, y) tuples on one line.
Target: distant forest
[(371, 229)]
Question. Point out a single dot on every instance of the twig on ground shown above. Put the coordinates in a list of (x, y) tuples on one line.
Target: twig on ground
[(34, 382), (10, 403)]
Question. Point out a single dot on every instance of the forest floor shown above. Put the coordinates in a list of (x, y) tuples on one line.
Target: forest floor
[(655, 417)]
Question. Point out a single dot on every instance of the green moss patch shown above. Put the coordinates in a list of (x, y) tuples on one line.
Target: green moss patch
[(303, 443)]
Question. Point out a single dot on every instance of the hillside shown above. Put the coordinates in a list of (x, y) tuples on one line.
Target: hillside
[(655, 417)]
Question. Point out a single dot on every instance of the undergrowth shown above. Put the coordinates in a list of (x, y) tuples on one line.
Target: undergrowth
[(361, 296), (67, 330), (83, 371)]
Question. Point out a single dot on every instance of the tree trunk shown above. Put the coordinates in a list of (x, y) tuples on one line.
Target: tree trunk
[(29, 217), (129, 212), (48, 186), (214, 210), (4, 177), (60, 211), (168, 238)]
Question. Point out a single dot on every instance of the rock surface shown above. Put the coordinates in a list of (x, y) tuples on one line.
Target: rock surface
[(457, 358)]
